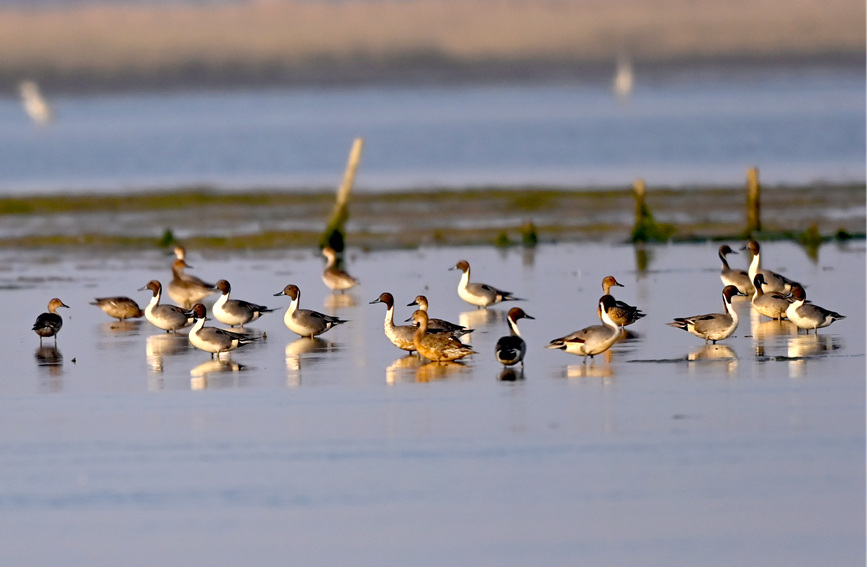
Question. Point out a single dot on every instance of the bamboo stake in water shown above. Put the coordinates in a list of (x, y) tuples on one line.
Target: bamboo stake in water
[(754, 219), (333, 235)]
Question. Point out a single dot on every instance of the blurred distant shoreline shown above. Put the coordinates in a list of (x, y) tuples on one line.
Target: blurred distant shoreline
[(116, 46)]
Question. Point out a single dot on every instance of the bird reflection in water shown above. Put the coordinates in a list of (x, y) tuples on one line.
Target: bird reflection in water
[(604, 371), (403, 366), (714, 353), (511, 374), (339, 301), (157, 347), (802, 348), (218, 372), (299, 350), (439, 370), (126, 326), (479, 318), (48, 357)]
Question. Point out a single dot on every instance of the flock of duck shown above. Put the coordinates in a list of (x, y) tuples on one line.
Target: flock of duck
[(772, 295)]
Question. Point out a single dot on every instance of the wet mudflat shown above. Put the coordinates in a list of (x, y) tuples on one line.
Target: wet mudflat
[(124, 444)]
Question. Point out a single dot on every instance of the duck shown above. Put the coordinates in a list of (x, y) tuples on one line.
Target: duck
[(479, 294), (772, 304), (773, 280), (119, 307), (435, 325), (712, 327), (739, 278), (185, 289), (49, 324), (622, 313), (401, 336), (807, 315), (235, 312), (336, 279), (594, 339), (437, 347), (181, 254), (169, 318), (305, 322), (511, 348), (211, 339)]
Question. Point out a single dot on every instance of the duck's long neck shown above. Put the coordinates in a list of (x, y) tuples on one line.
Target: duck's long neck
[(725, 262), (155, 300), (754, 265), (224, 297), (606, 318), (730, 309), (465, 279), (389, 317), (197, 326), (513, 325)]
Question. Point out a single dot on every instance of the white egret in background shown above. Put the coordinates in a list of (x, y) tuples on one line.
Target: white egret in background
[(35, 104), (624, 79)]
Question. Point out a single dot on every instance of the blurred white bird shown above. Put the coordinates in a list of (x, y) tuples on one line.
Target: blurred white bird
[(35, 105)]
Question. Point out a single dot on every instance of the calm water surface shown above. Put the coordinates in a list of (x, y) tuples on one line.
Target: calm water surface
[(124, 445), (797, 126)]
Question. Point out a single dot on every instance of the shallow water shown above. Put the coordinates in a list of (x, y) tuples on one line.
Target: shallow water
[(706, 128), (126, 445)]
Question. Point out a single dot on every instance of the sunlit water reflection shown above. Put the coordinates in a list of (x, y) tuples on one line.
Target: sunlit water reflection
[(663, 450)]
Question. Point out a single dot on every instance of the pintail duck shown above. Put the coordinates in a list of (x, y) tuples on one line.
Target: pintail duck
[(169, 318), (118, 307), (807, 315), (181, 254), (713, 326), (771, 304), (49, 324), (186, 289), (305, 322), (211, 339), (773, 280), (235, 312), (336, 279), (479, 294), (622, 313), (511, 348), (435, 325), (400, 335), (592, 340), (437, 347), (739, 278)]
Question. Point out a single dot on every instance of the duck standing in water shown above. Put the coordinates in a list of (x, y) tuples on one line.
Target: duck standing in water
[(185, 288), (120, 307), (437, 347), (621, 313), (773, 280), (713, 326), (400, 336), (235, 312), (739, 278), (807, 315), (772, 304), (479, 294), (439, 325), (211, 339), (592, 340), (510, 349), (169, 318), (336, 279), (305, 322), (49, 324)]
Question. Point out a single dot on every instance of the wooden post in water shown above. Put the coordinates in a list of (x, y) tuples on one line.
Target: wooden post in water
[(754, 217), (333, 235)]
